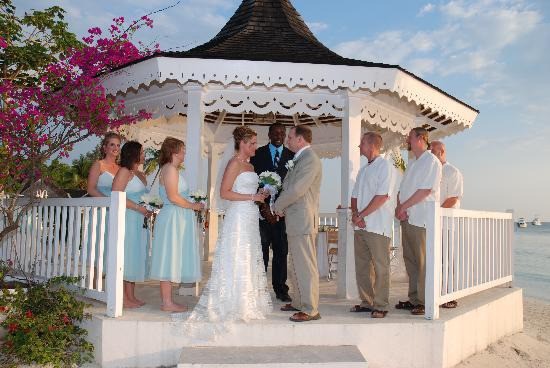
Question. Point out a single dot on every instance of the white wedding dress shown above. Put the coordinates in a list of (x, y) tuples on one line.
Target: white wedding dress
[(237, 288)]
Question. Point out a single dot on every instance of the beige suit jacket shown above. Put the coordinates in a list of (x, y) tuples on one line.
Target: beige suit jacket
[(299, 199)]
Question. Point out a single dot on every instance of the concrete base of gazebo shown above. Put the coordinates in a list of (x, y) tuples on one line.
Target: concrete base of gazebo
[(147, 337)]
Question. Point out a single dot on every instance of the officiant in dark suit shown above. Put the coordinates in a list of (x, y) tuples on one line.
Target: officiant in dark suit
[(273, 157)]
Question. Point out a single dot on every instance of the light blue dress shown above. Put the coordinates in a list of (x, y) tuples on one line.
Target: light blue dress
[(175, 251), (105, 183), (136, 237)]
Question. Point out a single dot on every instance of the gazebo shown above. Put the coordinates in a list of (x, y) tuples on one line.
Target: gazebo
[(265, 65)]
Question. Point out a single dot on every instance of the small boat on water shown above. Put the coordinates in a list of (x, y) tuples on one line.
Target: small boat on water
[(536, 221), (522, 223)]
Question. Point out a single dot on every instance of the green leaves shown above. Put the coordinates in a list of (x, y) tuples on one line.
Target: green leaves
[(34, 40), (42, 325), (151, 160)]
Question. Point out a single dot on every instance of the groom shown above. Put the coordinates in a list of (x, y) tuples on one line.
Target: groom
[(299, 203), (273, 157)]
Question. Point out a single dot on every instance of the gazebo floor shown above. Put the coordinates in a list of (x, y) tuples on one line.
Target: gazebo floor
[(148, 337)]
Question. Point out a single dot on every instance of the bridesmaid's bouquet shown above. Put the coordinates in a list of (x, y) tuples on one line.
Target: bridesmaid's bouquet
[(153, 204), (271, 182), (199, 196)]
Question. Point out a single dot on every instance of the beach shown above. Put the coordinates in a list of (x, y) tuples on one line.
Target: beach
[(531, 347)]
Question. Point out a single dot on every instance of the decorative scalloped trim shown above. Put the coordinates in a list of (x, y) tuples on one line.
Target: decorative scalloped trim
[(270, 74)]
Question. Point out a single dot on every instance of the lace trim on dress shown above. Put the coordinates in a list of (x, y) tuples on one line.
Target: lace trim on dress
[(237, 289)]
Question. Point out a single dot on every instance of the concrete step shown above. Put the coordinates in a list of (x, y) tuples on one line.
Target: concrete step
[(344, 356)]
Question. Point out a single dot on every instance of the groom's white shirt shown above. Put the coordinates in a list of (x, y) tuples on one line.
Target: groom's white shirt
[(297, 154)]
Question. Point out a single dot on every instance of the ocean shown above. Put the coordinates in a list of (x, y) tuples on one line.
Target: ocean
[(532, 260)]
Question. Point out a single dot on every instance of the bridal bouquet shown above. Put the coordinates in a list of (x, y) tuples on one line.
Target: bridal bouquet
[(199, 196), (271, 182), (152, 203)]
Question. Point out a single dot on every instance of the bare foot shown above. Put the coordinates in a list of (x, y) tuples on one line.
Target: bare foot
[(173, 307), (130, 304), (137, 301)]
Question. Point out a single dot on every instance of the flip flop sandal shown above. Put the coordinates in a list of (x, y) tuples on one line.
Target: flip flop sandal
[(378, 313), (450, 305), (404, 305), (304, 317), (418, 310), (357, 308)]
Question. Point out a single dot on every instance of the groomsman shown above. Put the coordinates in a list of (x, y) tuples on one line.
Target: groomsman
[(373, 218), (273, 157), (420, 186), (452, 187), (452, 182)]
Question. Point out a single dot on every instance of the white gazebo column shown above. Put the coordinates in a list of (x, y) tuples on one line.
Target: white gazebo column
[(214, 158), (351, 135), (195, 125), (193, 155)]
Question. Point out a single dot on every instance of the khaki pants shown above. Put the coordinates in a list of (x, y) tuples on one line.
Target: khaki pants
[(303, 273), (414, 255), (372, 268)]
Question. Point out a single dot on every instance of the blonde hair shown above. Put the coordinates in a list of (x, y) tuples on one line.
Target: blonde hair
[(108, 136), (423, 133), (243, 133)]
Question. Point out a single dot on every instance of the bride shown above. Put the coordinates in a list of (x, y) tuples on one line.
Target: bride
[(237, 288)]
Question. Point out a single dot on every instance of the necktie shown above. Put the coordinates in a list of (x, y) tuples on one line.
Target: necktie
[(276, 159)]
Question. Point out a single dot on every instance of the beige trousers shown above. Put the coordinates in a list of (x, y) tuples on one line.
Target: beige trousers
[(372, 268), (414, 255), (303, 273)]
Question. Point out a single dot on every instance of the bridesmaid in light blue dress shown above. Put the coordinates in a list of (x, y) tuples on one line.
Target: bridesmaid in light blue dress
[(133, 182), (100, 181), (175, 257)]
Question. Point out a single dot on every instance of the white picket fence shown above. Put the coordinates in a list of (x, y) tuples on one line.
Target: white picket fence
[(328, 219), (466, 252), (68, 237)]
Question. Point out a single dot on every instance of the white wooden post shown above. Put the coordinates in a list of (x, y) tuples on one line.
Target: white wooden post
[(115, 254), (433, 261), (193, 156), (215, 152), (195, 123), (351, 160)]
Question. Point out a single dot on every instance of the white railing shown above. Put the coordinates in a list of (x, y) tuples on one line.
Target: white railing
[(466, 252), (328, 219), (67, 237)]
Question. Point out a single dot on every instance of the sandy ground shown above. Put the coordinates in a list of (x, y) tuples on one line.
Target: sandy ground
[(527, 349)]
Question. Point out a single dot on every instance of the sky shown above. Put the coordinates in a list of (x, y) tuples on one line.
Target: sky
[(492, 54)]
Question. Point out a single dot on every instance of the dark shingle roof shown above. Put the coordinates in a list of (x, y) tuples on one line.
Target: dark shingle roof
[(272, 30), (268, 30)]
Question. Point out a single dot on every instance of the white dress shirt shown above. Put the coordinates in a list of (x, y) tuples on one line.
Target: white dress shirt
[(423, 173), (376, 178), (452, 184)]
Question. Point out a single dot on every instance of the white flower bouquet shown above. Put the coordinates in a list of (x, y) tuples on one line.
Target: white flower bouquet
[(271, 182), (152, 203), (199, 196)]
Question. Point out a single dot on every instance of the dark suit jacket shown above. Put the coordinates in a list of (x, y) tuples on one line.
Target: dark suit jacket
[(262, 161)]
